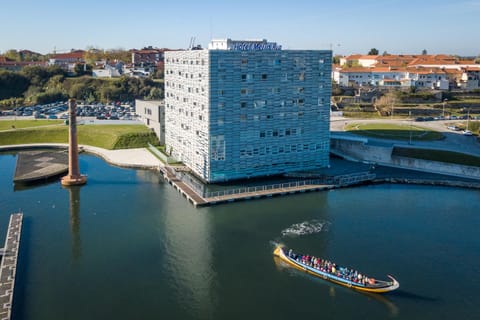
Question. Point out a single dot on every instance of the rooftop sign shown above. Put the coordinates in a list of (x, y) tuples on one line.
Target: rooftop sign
[(254, 46), (243, 45)]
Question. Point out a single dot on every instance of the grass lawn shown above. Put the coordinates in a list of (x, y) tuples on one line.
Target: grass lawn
[(20, 124), (103, 136), (393, 131), (438, 155)]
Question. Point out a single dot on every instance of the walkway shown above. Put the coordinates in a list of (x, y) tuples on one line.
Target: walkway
[(184, 189), (129, 158), (267, 193), (8, 267)]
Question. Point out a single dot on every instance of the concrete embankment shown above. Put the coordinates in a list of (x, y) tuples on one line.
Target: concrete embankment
[(430, 182), (139, 158), (360, 149)]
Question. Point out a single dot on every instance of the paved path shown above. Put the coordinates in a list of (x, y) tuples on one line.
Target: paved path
[(130, 158)]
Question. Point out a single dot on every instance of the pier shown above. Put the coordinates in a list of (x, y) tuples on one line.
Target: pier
[(8, 267), (40, 165), (183, 188), (201, 198)]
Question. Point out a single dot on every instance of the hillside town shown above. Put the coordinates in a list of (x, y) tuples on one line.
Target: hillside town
[(424, 71), (440, 72), (141, 63)]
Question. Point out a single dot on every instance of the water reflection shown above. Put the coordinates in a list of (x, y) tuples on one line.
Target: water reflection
[(188, 249), (332, 290), (74, 205), (147, 176), (18, 186)]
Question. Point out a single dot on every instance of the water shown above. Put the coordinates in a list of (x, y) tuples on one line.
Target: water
[(128, 246)]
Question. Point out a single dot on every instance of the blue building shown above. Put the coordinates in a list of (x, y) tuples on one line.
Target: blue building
[(243, 109)]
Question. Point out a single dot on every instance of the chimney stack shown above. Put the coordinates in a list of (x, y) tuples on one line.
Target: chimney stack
[(74, 177)]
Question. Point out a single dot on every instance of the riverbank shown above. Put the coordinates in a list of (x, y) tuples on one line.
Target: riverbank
[(138, 158), (142, 158)]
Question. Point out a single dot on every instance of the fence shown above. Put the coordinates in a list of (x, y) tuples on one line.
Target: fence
[(166, 159), (343, 180)]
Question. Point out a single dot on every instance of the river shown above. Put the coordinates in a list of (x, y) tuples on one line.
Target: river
[(128, 246)]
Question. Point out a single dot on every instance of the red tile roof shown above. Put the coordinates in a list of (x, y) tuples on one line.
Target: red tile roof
[(77, 55)]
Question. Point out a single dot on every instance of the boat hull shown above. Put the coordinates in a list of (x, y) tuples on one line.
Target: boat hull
[(278, 252)]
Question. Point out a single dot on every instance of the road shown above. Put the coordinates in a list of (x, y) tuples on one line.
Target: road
[(80, 120), (454, 140)]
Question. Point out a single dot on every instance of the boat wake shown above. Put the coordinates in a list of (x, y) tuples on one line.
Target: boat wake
[(306, 228)]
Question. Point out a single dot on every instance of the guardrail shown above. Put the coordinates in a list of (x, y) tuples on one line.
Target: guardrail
[(166, 159), (286, 185), (341, 180)]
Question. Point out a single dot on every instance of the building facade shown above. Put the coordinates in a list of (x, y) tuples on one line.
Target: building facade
[(243, 109), (152, 113), (68, 60)]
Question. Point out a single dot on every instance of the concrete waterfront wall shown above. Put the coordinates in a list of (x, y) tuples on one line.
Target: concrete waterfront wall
[(437, 167), (359, 149)]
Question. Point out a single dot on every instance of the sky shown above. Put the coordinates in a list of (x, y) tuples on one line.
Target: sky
[(346, 27)]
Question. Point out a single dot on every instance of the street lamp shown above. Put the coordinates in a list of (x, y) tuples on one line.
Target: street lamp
[(410, 116), (444, 103)]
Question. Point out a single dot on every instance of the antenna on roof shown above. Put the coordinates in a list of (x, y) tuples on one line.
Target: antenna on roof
[(192, 43)]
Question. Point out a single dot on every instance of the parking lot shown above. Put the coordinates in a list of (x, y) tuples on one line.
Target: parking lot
[(59, 110)]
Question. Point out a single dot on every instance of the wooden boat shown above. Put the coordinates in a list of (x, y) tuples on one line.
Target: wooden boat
[(339, 275)]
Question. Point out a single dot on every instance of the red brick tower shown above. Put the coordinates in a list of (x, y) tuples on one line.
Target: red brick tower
[(74, 177)]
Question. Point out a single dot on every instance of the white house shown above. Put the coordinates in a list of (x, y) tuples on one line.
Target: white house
[(107, 72)]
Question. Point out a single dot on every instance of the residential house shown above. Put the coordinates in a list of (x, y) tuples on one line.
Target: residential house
[(68, 60)]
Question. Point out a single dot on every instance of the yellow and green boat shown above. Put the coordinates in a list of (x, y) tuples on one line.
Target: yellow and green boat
[(331, 272)]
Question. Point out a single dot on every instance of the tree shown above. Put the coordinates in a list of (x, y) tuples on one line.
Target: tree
[(155, 94), (82, 69), (353, 64), (386, 104), (12, 84), (373, 52), (110, 93), (49, 97), (12, 55), (38, 76), (424, 52), (55, 83)]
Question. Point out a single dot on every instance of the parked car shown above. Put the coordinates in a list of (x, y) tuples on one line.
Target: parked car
[(453, 128)]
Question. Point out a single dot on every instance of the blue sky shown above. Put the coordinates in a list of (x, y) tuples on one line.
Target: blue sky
[(395, 26)]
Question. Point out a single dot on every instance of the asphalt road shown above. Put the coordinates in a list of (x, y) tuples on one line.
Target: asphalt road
[(454, 140)]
